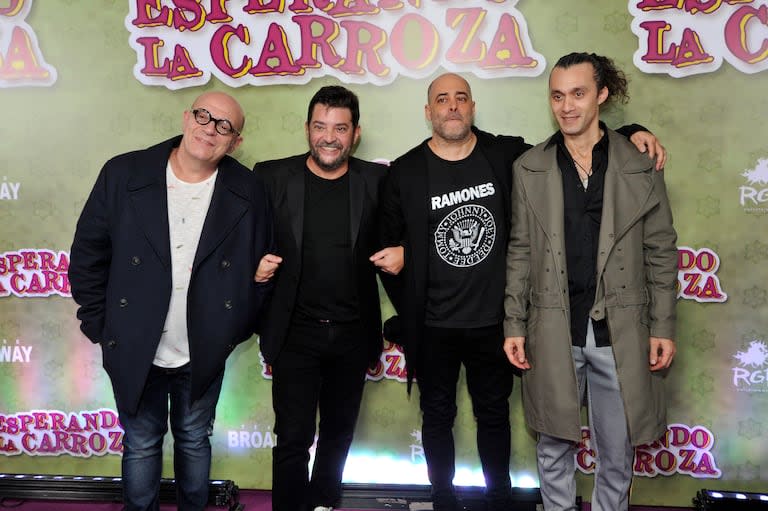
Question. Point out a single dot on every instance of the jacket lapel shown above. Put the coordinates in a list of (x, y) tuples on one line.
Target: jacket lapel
[(626, 194), (294, 190), (149, 198), (544, 189), (356, 203), (226, 209)]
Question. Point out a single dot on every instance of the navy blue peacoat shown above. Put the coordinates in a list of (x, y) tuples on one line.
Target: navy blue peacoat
[(120, 268)]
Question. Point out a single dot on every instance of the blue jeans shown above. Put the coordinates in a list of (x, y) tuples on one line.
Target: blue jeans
[(191, 425)]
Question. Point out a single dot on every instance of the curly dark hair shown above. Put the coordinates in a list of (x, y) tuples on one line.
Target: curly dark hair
[(336, 96), (606, 74)]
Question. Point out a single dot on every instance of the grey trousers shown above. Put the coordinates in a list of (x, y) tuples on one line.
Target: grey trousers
[(595, 370)]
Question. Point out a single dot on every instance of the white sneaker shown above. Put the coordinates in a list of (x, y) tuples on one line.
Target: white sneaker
[(323, 508)]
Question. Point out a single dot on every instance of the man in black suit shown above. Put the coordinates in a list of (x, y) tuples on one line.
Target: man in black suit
[(323, 325), (162, 267)]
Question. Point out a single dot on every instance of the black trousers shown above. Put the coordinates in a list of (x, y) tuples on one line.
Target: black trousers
[(489, 381), (322, 366)]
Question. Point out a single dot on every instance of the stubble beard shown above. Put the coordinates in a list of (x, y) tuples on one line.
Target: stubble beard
[(453, 134), (334, 164)]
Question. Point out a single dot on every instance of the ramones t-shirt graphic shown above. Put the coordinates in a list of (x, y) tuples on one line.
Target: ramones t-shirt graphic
[(466, 259), (466, 235)]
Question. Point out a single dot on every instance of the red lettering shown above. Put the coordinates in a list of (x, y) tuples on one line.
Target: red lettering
[(428, 35), (91, 421), (364, 40), (276, 57), (108, 419), (352, 8), (655, 54), (693, 283), (63, 263), (644, 463), (736, 33), (653, 5), (182, 66), (376, 372), (13, 262), (57, 421), (116, 441), (311, 41), (261, 6), (467, 47), (144, 14), (711, 289), (182, 22), (680, 436), (690, 52), (220, 50), (97, 443), (707, 466), (507, 47), (74, 424), (152, 65), (665, 461), (46, 260), (14, 7), (701, 439), (219, 12), (395, 366), (26, 421), (30, 260), (78, 444), (28, 442), (687, 464), (22, 61)]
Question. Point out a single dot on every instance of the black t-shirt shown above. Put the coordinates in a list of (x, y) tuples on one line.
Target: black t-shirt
[(466, 259), (327, 287)]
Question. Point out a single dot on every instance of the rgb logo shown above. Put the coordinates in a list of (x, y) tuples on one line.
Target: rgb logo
[(752, 373)]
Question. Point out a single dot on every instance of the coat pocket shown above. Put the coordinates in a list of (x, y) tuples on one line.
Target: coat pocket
[(546, 300)]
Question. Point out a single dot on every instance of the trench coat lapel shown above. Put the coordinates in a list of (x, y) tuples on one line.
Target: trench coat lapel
[(544, 189), (626, 194)]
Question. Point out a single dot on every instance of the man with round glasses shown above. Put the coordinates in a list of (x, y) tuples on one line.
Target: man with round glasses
[(223, 126), (162, 267)]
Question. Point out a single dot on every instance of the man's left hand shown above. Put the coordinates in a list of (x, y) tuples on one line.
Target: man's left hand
[(645, 141), (390, 260), (662, 353)]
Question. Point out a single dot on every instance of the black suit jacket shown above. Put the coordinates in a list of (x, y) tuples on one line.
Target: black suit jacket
[(120, 268), (285, 181), (405, 221)]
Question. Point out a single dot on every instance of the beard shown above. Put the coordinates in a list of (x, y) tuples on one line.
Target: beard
[(454, 132), (334, 164)]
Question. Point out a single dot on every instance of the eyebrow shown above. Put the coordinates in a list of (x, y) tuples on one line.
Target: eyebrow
[(457, 93), (332, 123), (572, 89)]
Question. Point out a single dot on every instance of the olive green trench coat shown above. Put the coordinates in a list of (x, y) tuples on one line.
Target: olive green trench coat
[(636, 277)]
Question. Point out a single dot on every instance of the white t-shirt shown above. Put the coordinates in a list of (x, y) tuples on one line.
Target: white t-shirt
[(187, 207)]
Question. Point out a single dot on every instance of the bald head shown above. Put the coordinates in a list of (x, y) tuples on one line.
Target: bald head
[(447, 82), (223, 106)]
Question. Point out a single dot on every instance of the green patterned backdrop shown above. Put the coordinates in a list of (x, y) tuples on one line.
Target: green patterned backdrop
[(701, 91)]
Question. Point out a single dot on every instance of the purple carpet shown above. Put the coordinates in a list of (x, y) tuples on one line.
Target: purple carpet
[(252, 500)]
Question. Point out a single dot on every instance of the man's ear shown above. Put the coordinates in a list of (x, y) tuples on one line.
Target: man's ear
[(602, 95), (234, 144)]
